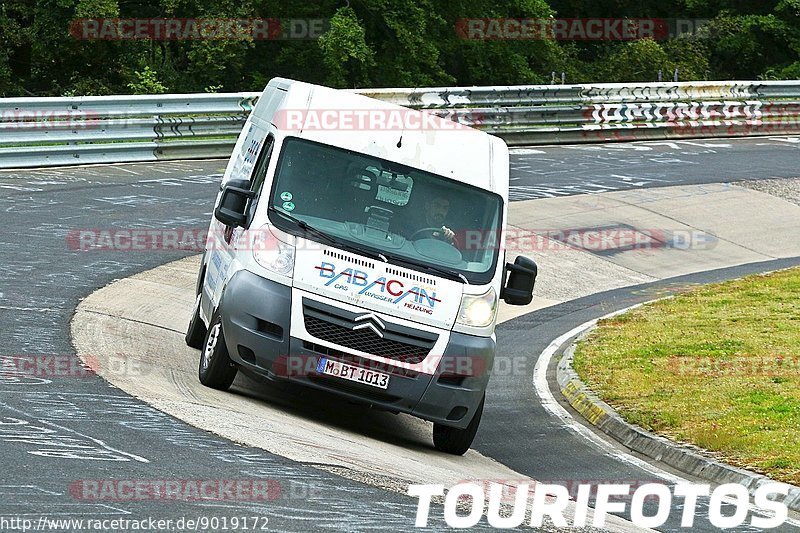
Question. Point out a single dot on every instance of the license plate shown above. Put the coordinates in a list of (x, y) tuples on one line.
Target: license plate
[(353, 373)]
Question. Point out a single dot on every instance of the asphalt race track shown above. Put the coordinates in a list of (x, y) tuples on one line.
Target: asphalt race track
[(552, 171), (59, 433)]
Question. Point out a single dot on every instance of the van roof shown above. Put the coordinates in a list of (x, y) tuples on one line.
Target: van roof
[(359, 123)]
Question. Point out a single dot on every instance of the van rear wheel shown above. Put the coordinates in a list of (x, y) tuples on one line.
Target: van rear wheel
[(216, 367), (454, 440), (196, 332)]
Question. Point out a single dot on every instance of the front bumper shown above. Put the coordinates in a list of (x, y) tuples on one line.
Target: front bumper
[(256, 321)]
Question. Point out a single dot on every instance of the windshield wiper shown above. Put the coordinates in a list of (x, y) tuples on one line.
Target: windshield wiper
[(431, 268), (446, 273), (308, 228), (366, 253), (305, 226)]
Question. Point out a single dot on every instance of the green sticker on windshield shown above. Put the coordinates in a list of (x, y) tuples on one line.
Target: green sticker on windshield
[(288, 206), (286, 196)]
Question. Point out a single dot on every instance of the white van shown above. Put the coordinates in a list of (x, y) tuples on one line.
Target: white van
[(357, 247)]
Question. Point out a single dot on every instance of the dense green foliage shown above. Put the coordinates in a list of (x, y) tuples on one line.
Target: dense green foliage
[(385, 43)]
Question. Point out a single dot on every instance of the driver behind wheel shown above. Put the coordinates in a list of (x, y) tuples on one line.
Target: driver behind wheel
[(434, 215)]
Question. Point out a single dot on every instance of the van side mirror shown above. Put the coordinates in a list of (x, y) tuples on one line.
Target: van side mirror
[(521, 279), (232, 210)]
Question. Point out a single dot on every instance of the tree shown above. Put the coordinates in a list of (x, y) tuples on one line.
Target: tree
[(345, 52), (633, 61), (147, 82), (394, 43)]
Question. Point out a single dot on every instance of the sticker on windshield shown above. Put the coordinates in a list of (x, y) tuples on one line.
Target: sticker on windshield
[(288, 206), (394, 189), (286, 196)]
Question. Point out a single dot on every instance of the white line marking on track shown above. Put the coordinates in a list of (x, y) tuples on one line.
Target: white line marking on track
[(70, 430), (96, 441), (524, 151), (550, 403), (35, 489), (127, 170), (37, 309)]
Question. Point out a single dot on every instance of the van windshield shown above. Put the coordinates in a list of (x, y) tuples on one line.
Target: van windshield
[(386, 210)]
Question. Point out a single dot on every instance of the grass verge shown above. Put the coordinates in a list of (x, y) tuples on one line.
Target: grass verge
[(718, 367)]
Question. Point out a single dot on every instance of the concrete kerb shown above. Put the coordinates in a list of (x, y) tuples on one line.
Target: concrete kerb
[(682, 457)]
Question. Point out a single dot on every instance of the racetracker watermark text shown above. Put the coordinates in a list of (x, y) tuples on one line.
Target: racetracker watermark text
[(118, 490), (608, 239), (575, 29), (164, 29), (399, 120), (770, 366), (561, 29)]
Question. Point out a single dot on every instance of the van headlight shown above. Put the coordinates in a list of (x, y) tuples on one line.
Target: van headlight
[(478, 311), (271, 253)]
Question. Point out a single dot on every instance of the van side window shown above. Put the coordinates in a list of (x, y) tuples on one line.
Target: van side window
[(260, 173), (260, 168)]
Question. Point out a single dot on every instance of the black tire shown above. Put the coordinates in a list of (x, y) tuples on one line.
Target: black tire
[(457, 441), (216, 369), (196, 332)]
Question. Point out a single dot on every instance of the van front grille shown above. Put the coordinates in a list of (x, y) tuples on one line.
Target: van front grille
[(375, 337)]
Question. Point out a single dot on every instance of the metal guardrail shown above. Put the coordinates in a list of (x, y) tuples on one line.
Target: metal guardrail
[(110, 129), (105, 129), (548, 114)]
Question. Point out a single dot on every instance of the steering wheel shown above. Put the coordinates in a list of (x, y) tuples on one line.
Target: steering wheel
[(432, 233)]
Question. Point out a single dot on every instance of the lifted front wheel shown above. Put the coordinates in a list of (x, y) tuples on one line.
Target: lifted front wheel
[(457, 441)]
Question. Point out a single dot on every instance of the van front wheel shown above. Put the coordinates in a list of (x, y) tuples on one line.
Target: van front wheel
[(457, 441), (216, 368)]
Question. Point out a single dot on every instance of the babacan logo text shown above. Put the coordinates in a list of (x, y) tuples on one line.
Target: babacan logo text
[(385, 289)]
